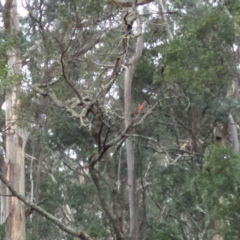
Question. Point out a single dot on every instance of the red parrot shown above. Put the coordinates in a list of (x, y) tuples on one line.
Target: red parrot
[(139, 109)]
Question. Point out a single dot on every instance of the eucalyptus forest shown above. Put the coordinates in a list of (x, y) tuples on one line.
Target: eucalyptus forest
[(119, 119)]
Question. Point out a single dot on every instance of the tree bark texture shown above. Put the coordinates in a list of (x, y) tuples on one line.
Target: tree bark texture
[(15, 141)]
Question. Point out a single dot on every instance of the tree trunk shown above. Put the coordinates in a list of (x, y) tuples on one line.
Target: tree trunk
[(129, 70), (3, 191), (36, 196), (15, 140)]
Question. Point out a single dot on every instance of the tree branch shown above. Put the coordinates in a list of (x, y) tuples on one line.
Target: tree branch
[(104, 205), (45, 214), (123, 3)]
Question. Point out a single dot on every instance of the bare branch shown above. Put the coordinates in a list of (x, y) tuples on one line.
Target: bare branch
[(45, 214), (113, 220), (123, 3)]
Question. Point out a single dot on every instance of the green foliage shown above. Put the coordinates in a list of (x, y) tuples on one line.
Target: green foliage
[(98, 230), (232, 6), (144, 70), (143, 77), (219, 181), (2, 231), (3, 66), (172, 188), (210, 192), (198, 57), (52, 192), (2, 119), (7, 43), (166, 232), (68, 132), (29, 234), (178, 191)]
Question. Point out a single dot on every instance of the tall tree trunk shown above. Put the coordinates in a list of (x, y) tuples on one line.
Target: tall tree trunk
[(15, 140), (3, 191), (129, 70), (36, 196)]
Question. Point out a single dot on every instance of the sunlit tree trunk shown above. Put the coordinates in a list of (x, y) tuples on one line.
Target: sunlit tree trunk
[(15, 140)]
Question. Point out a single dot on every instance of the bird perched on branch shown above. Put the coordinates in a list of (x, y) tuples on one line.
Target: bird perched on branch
[(139, 109)]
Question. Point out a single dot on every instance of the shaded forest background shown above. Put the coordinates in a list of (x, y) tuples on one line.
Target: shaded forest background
[(72, 97)]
